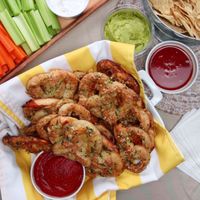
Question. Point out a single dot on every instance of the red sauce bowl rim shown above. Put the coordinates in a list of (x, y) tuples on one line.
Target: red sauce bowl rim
[(47, 195), (189, 52)]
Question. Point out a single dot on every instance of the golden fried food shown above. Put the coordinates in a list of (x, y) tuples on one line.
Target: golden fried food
[(180, 15), (56, 84), (105, 132), (56, 127), (114, 103), (140, 116), (136, 158), (95, 118), (92, 84), (81, 140), (131, 134), (134, 145), (42, 125), (35, 109), (108, 163), (29, 130), (116, 73), (79, 75), (75, 110), (38, 108), (28, 143)]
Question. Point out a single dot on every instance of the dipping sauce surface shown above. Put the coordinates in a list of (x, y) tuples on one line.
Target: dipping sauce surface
[(128, 26), (170, 67), (56, 175)]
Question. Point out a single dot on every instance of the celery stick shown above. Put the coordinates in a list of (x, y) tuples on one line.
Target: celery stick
[(40, 25), (51, 30), (34, 28), (19, 4), (7, 7), (26, 48), (27, 5), (26, 32), (11, 27), (49, 18), (13, 7), (2, 6)]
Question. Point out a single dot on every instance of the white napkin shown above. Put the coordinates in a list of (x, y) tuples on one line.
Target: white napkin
[(186, 134)]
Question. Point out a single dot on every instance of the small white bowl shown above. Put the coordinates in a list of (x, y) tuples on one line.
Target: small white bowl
[(67, 8), (49, 196), (189, 52)]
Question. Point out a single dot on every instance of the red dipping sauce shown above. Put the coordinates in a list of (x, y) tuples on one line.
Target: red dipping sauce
[(56, 175), (170, 67)]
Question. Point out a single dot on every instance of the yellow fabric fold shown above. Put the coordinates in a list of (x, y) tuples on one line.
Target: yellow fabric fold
[(168, 154), (30, 73), (23, 160), (85, 61)]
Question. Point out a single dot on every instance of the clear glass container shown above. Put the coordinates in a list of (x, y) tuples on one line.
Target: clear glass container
[(133, 8)]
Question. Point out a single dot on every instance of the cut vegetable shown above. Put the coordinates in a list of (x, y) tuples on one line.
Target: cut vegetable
[(26, 32), (11, 27), (8, 59), (13, 7), (6, 42), (39, 23), (26, 48), (3, 30), (52, 31), (7, 7), (27, 5), (49, 18), (2, 6), (19, 4), (15, 52), (34, 28), (2, 60)]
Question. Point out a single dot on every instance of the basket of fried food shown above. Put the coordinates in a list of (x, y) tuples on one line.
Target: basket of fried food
[(97, 118)]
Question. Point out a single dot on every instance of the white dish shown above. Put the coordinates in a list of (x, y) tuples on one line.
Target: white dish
[(46, 195), (189, 51), (67, 8), (156, 95)]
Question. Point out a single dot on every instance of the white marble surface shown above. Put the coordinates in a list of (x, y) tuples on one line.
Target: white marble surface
[(174, 185)]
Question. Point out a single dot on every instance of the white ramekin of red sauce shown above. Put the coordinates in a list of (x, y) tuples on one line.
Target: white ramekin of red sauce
[(56, 177), (173, 66)]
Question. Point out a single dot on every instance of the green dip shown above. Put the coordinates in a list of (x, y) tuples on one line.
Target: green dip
[(128, 26)]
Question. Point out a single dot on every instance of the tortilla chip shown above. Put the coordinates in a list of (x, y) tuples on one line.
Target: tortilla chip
[(163, 7), (178, 29), (182, 16), (169, 18), (197, 8)]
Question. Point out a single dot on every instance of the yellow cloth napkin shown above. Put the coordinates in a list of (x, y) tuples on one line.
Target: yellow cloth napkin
[(13, 95)]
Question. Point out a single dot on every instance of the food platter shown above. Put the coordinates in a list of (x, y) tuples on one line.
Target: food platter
[(66, 24), (164, 28)]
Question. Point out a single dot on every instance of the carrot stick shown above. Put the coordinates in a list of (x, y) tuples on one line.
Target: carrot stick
[(1, 72), (16, 52), (7, 43), (5, 69), (19, 53), (13, 56), (2, 60), (7, 57), (3, 30)]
